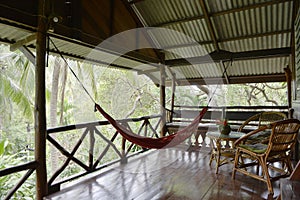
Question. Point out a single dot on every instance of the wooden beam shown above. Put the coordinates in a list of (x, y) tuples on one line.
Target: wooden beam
[(288, 75), (232, 80), (228, 56), (28, 54), (112, 15), (23, 42), (209, 25), (173, 96), (224, 69), (40, 102), (163, 100), (244, 37), (139, 23)]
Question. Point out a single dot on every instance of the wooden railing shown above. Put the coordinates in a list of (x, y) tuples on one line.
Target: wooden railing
[(236, 115), (92, 134), (29, 167)]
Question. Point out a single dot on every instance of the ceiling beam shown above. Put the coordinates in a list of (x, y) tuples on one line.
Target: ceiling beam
[(232, 80), (228, 56), (244, 37)]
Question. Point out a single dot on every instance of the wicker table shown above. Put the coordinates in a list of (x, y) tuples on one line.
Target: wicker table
[(222, 146)]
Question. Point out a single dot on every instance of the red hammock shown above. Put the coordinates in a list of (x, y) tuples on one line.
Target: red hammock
[(155, 143)]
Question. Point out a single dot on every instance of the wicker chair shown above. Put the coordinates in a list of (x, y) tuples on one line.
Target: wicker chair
[(273, 158), (260, 119)]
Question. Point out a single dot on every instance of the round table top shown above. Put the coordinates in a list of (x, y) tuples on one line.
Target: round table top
[(232, 135)]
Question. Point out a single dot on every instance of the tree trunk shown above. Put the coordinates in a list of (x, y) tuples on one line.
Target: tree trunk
[(53, 112)]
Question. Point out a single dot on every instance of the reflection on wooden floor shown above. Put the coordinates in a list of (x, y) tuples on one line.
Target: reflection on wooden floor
[(167, 174)]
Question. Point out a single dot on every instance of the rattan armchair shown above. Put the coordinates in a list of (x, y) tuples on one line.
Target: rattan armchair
[(261, 119), (274, 158)]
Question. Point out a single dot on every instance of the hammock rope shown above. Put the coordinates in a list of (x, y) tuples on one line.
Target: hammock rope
[(143, 141)]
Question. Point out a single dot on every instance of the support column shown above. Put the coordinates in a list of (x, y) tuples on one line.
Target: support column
[(163, 99), (288, 75), (173, 96), (40, 104)]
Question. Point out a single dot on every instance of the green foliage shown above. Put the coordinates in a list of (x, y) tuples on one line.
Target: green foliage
[(27, 191), (260, 94), (3, 145)]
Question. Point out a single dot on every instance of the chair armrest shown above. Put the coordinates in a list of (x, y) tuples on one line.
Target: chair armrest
[(245, 137)]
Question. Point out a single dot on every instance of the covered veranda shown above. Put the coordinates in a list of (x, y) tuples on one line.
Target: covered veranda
[(173, 173), (256, 39)]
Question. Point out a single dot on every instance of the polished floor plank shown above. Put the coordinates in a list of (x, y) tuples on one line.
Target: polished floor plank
[(166, 174)]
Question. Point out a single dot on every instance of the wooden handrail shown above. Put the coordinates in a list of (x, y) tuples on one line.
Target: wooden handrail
[(97, 123), (31, 167), (91, 128), (236, 107), (11, 170)]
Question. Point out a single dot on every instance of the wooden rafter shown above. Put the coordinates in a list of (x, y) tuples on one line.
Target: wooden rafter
[(140, 24), (209, 25)]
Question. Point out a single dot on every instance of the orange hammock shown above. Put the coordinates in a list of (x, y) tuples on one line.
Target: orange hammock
[(155, 143)]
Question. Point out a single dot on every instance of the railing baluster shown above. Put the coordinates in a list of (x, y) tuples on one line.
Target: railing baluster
[(91, 129), (110, 143), (91, 150), (19, 184), (104, 151), (124, 159), (70, 156)]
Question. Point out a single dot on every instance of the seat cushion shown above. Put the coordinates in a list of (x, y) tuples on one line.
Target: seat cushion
[(256, 148), (261, 137)]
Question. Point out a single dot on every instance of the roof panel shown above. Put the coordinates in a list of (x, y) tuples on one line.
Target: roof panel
[(255, 21), (239, 26), (257, 43), (156, 12)]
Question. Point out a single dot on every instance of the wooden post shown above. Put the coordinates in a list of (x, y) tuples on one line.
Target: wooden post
[(173, 96), (40, 104), (288, 75), (163, 99)]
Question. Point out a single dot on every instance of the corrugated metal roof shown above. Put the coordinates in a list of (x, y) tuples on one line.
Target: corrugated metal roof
[(238, 26), (193, 29)]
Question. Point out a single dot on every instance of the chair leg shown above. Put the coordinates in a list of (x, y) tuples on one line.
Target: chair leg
[(266, 175), (235, 164), (289, 165)]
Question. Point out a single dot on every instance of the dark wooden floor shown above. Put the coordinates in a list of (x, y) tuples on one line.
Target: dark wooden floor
[(167, 174)]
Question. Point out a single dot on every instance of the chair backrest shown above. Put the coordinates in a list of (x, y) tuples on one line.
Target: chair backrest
[(261, 119), (269, 117), (283, 136)]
